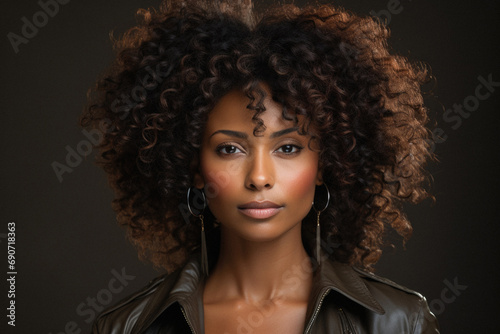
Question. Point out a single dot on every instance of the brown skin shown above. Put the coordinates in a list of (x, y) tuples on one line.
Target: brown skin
[(263, 275)]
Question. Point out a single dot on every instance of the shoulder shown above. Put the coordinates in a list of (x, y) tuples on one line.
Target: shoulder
[(122, 317), (386, 285), (398, 300)]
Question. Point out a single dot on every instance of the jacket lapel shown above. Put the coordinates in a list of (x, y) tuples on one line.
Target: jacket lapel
[(334, 276), (346, 281), (185, 287)]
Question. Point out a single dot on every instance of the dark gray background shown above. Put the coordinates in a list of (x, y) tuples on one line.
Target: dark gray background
[(68, 242)]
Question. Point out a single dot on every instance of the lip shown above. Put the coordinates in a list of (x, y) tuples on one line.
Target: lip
[(260, 210)]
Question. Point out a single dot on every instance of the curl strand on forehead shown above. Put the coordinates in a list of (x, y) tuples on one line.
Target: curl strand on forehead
[(257, 92)]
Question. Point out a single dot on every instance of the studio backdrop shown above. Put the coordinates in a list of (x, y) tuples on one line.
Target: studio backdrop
[(64, 257)]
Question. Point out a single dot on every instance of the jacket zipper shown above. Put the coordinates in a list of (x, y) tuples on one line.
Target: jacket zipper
[(187, 320), (316, 311), (346, 323)]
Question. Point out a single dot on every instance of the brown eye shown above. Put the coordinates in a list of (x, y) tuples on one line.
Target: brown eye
[(290, 149), (227, 149)]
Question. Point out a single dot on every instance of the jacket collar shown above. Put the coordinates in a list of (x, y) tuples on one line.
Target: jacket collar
[(342, 278), (186, 288)]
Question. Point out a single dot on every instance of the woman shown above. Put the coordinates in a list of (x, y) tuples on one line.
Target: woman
[(260, 164)]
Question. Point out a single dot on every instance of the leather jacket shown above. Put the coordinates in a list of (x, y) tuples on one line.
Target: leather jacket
[(343, 299)]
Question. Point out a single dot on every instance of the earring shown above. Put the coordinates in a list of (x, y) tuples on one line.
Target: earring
[(318, 231), (204, 256)]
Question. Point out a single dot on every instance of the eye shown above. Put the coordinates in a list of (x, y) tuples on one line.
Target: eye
[(289, 149), (227, 149)]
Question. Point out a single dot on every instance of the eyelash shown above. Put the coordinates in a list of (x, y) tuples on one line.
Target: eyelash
[(296, 147), (222, 146)]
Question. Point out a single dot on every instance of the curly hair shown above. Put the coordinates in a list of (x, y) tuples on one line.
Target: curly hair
[(333, 67)]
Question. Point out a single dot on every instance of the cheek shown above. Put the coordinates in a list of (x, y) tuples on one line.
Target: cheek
[(220, 181), (300, 182)]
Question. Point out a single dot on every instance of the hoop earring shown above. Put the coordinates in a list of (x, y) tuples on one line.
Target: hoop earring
[(204, 256), (318, 229)]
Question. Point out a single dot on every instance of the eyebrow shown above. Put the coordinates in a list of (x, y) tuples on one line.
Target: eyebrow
[(243, 135)]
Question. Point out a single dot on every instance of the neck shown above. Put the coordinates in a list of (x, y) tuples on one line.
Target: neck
[(255, 271)]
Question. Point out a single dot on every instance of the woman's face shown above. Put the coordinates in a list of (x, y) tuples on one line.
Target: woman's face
[(258, 187)]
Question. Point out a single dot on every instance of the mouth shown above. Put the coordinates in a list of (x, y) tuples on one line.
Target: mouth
[(260, 210)]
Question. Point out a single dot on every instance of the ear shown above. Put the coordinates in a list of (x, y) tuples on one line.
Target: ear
[(319, 179), (319, 175), (198, 179)]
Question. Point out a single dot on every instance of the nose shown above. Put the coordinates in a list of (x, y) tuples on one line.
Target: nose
[(260, 172)]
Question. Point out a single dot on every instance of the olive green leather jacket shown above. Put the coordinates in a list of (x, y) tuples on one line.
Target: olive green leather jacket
[(343, 300)]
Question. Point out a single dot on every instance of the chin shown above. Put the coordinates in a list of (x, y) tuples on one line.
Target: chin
[(261, 231)]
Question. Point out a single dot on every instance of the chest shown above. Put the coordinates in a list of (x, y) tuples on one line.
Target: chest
[(227, 319)]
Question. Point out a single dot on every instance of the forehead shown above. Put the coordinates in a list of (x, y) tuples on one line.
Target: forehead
[(232, 112)]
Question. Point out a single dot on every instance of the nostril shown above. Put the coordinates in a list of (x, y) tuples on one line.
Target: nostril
[(259, 175), (254, 186)]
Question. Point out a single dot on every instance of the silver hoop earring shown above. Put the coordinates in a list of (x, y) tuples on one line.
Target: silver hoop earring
[(318, 228), (204, 256)]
